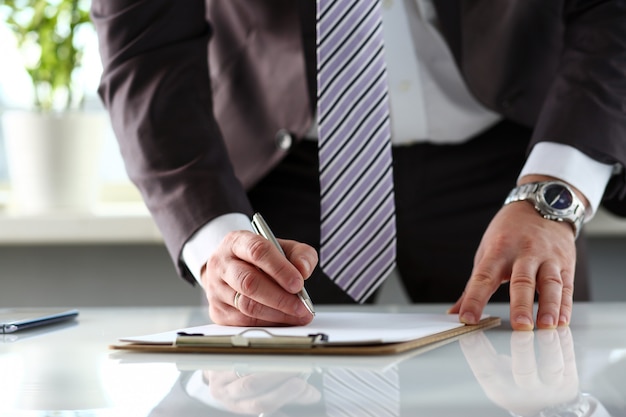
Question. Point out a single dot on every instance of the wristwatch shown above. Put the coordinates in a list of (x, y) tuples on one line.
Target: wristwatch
[(578, 407), (554, 200)]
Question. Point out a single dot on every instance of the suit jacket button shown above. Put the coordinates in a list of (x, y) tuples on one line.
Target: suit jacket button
[(284, 139)]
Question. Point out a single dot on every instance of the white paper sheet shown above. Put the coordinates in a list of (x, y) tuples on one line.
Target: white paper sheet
[(341, 327)]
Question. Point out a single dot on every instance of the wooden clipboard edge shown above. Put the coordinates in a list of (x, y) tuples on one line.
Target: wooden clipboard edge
[(427, 343)]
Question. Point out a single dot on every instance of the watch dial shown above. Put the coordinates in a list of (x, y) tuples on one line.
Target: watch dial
[(558, 197)]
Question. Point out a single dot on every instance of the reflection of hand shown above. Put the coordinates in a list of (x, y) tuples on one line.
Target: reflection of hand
[(260, 392), (525, 383), (249, 265)]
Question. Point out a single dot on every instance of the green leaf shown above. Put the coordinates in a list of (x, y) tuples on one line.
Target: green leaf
[(46, 30)]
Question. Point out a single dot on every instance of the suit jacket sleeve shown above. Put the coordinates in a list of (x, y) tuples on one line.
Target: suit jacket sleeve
[(156, 86), (586, 104)]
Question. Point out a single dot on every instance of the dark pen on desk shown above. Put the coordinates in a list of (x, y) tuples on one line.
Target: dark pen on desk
[(261, 228)]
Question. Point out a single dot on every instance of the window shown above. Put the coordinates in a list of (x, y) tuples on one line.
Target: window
[(16, 93)]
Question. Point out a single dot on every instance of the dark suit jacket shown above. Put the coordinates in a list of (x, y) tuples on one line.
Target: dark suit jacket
[(197, 129)]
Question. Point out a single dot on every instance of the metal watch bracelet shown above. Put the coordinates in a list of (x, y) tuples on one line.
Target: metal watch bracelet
[(533, 192)]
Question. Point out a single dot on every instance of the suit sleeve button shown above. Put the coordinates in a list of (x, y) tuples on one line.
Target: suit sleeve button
[(284, 139)]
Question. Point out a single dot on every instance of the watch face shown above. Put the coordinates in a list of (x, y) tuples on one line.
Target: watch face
[(558, 197)]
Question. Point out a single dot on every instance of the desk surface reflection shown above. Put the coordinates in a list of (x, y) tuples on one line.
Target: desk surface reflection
[(69, 371)]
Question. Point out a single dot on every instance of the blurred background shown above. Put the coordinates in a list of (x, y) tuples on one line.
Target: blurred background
[(105, 250)]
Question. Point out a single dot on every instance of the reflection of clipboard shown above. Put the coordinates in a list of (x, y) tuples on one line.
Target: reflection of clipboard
[(329, 334)]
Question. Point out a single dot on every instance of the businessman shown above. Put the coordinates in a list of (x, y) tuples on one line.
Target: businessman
[(214, 106)]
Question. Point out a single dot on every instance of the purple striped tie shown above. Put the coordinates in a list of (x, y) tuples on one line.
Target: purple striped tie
[(358, 233)]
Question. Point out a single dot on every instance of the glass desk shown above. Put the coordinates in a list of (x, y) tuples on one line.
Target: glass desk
[(68, 370)]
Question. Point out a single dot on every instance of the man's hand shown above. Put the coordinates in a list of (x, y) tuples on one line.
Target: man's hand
[(268, 282), (535, 255)]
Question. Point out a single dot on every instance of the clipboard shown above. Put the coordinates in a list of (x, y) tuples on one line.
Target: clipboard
[(330, 337)]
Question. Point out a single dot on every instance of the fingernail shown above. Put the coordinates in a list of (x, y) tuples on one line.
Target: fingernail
[(295, 285), (468, 318), (524, 322), (547, 320), (563, 321)]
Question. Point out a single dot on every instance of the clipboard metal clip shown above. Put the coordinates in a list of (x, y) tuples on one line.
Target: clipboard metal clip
[(253, 337)]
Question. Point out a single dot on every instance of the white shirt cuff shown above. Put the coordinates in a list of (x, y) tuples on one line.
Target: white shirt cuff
[(205, 241), (569, 164)]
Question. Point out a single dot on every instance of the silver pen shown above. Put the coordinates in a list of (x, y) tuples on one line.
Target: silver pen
[(261, 228)]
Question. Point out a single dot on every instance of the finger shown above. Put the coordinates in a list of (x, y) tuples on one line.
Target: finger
[(570, 372), (264, 284), (263, 313), (225, 273), (486, 278), (223, 311), (302, 256), (567, 296), (262, 254), (550, 289), (523, 360), (221, 301), (258, 289), (228, 272), (551, 363), (522, 294)]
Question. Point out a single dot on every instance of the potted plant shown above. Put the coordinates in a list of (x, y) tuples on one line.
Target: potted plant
[(53, 147)]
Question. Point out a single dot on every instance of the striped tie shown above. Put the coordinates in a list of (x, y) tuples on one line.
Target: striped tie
[(358, 234)]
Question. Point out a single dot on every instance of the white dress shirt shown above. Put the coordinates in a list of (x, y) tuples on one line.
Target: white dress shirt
[(429, 102)]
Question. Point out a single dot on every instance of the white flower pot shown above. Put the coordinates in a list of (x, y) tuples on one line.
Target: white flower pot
[(53, 159)]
